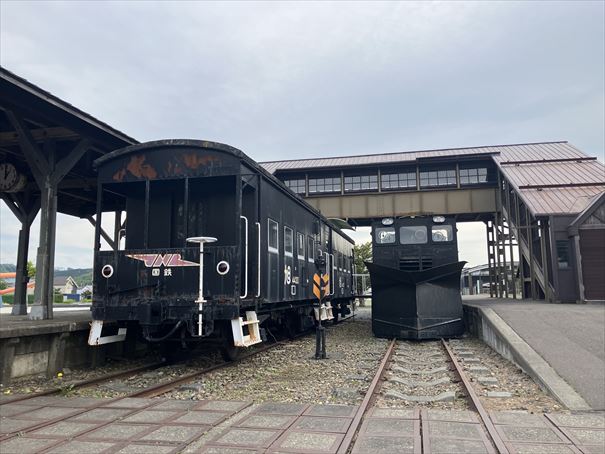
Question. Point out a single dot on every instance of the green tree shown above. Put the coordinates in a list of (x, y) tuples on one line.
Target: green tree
[(363, 252), (31, 269), (3, 284)]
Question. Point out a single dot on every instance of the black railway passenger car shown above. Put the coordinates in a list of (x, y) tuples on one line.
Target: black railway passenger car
[(259, 242), (415, 276)]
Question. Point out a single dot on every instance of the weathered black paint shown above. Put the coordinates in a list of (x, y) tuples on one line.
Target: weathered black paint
[(172, 190), (416, 287)]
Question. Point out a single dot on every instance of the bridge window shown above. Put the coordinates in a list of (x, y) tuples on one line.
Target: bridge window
[(413, 235), (297, 186), (384, 235), (324, 185), (473, 176), (442, 233), (432, 178), (398, 180), (361, 183)]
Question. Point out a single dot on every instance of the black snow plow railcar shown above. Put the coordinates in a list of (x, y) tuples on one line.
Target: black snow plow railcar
[(415, 276), (212, 247)]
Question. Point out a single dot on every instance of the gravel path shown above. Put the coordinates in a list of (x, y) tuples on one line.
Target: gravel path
[(525, 393), (289, 373)]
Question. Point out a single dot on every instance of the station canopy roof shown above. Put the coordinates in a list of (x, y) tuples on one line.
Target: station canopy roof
[(552, 178), (50, 119)]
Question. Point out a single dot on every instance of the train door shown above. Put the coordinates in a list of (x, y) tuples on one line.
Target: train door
[(290, 289), (301, 274), (249, 241), (273, 260)]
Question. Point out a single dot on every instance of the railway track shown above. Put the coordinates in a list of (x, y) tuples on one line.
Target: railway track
[(147, 392), (426, 366)]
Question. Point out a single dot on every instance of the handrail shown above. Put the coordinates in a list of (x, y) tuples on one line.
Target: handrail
[(246, 258), (330, 274), (332, 286), (258, 263)]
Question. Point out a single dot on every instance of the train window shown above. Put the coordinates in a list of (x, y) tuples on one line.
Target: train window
[(273, 236), (288, 241), (413, 235), (310, 249), (441, 233), (385, 235), (300, 241)]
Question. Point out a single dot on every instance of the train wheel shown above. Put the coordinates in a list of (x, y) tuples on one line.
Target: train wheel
[(229, 352)]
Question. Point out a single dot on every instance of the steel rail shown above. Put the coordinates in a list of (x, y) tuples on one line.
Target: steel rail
[(348, 439), (161, 388), (87, 383), (483, 415)]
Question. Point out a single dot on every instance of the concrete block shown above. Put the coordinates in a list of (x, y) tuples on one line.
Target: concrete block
[(321, 424), (452, 445), (145, 449), (528, 448), (518, 418), (499, 394), (394, 427), (587, 436), (384, 445), (257, 438), (305, 442), (345, 411), (7, 358), (400, 413), (222, 405), (276, 408), (452, 415), (78, 447), (586, 420), (64, 429), (175, 434), (487, 380), (266, 421), (449, 429), (446, 396), (478, 369), (117, 431), (102, 414), (21, 445), (211, 418), (152, 416), (529, 434)]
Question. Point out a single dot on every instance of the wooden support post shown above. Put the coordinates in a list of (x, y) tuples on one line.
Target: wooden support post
[(519, 248), (48, 173)]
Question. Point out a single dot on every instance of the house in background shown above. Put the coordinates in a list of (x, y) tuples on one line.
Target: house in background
[(66, 286)]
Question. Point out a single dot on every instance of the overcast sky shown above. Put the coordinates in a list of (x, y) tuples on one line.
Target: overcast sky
[(294, 80)]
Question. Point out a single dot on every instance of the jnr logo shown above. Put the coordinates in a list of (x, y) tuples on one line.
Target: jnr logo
[(155, 260)]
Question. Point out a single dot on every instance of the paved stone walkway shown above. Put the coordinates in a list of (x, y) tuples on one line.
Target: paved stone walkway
[(74, 425)]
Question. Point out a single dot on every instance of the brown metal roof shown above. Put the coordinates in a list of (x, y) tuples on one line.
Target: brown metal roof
[(504, 153), (551, 177)]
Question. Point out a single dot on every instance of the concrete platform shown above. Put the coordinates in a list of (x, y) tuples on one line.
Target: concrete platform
[(29, 347), (60, 424), (562, 346)]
